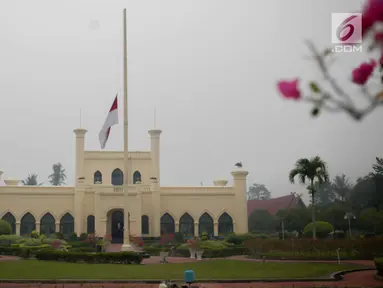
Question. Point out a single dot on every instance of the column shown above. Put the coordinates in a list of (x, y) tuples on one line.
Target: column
[(80, 144), (38, 227), (97, 213), (196, 230), (18, 228), (57, 226), (216, 229), (240, 189), (156, 209), (78, 209), (155, 153), (177, 227)]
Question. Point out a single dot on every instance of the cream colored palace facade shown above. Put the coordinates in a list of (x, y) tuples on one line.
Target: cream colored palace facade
[(96, 203)]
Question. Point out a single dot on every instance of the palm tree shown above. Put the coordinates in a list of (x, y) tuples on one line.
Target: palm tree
[(314, 169), (58, 177), (342, 187), (31, 180)]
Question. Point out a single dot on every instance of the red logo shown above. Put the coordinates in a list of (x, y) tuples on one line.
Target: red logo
[(344, 26)]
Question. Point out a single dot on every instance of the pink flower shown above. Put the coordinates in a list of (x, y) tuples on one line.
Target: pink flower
[(361, 74), (289, 89), (372, 13)]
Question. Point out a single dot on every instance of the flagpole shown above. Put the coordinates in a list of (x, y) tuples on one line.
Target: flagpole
[(126, 245)]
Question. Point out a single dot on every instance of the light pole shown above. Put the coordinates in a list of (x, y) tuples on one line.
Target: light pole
[(349, 216)]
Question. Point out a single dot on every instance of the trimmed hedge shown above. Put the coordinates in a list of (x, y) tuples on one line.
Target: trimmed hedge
[(379, 266), (22, 251), (353, 249), (208, 253), (94, 258)]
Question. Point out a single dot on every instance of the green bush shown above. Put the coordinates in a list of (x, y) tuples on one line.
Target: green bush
[(322, 229), (22, 251), (83, 249), (35, 234), (33, 242), (83, 236), (115, 258), (8, 240), (204, 236), (215, 252), (238, 239), (73, 237), (379, 266), (5, 228)]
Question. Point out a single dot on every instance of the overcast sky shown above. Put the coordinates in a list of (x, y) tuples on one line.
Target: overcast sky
[(208, 67)]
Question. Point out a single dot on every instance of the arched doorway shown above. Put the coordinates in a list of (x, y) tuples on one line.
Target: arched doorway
[(206, 225), (47, 224), (11, 220), (67, 225), (187, 225), (225, 224), (27, 224), (117, 177), (167, 224), (117, 226)]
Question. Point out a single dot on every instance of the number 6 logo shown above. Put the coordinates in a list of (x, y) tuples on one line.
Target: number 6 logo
[(343, 26)]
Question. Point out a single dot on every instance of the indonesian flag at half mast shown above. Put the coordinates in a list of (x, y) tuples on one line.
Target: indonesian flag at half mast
[(111, 119)]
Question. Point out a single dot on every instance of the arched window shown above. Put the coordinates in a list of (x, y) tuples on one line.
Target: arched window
[(117, 177), (90, 224), (97, 177), (187, 225), (206, 224), (47, 224), (67, 224), (144, 225), (167, 224), (11, 220), (225, 224), (137, 177), (27, 224)]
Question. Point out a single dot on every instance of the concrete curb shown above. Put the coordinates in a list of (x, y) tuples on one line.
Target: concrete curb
[(337, 276)]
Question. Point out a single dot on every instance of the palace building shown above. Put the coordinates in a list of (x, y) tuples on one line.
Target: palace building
[(97, 202)]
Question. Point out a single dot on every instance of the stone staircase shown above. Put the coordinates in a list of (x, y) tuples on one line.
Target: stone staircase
[(117, 248)]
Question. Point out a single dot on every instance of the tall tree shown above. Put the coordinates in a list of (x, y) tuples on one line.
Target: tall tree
[(261, 221), (342, 187), (314, 169), (324, 193), (31, 180), (58, 177), (378, 167), (258, 192)]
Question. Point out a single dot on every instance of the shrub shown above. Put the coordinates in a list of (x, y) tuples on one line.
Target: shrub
[(204, 236), (58, 235), (379, 266), (5, 228), (240, 238), (115, 258), (322, 229), (32, 242), (7, 240), (35, 234), (73, 237), (22, 251), (83, 236)]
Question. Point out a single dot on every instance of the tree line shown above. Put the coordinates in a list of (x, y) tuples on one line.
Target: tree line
[(57, 178), (339, 202)]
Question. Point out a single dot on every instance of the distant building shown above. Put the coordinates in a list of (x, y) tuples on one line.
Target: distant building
[(274, 205)]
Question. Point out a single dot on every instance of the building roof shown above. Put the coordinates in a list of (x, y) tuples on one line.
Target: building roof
[(275, 204)]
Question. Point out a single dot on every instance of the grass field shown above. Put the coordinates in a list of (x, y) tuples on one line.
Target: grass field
[(204, 270)]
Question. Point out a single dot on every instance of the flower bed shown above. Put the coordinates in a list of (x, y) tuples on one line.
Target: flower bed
[(94, 258)]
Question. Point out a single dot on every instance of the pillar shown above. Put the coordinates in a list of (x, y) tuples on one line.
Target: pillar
[(79, 181), (155, 153), (18, 224), (97, 214), (38, 227), (80, 144), (216, 229), (156, 209), (57, 226), (196, 229), (240, 190)]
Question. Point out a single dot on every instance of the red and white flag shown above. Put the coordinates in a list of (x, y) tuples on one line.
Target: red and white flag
[(111, 119)]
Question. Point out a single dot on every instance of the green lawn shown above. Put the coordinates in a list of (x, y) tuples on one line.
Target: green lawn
[(215, 269)]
